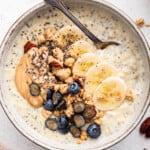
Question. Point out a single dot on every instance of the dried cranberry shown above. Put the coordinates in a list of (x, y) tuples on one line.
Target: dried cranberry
[(56, 64), (145, 125), (89, 112), (148, 132), (28, 46)]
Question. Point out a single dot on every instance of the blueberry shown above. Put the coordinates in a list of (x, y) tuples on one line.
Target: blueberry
[(48, 105), (78, 107), (34, 89), (62, 105), (57, 97), (94, 130), (75, 131), (49, 94), (64, 130), (51, 123), (63, 122), (74, 88), (89, 112), (78, 121)]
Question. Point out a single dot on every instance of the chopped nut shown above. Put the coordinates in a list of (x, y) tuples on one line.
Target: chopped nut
[(70, 99), (57, 53), (56, 113), (87, 96), (63, 88), (43, 49), (98, 121), (69, 62), (41, 39), (129, 96), (140, 22), (83, 136), (99, 114), (56, 87), (69, 80), (81, 94), (89, 102), (49, 33), (32, 52), (46, 113), (69, 111), (63, 74)]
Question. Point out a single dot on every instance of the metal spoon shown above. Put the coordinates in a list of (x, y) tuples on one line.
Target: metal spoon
[(98, 43)]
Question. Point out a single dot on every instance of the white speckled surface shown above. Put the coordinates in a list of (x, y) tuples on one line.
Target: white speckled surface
[(10, 138)]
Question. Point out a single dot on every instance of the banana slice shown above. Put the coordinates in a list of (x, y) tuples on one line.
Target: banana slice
[(68, 34), (83, 63), (80, 47), (110, 93), (96, 75)]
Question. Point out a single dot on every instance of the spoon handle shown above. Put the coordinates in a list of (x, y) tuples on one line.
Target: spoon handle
[(60, 5)]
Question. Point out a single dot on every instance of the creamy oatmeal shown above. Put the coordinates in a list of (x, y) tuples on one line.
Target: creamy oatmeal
[(124, 58)]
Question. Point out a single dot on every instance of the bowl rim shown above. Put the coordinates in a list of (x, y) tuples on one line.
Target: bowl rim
[(136, 29)]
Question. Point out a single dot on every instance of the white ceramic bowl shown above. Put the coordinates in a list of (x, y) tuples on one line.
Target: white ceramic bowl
[(6, 97)]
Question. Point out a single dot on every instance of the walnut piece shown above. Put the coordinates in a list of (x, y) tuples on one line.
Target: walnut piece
[(41, 39), (46, 113), (58, 54), (140, 22), (83, 136), (63, 74), (69, 80), (63, 88), (98, 121), (69, 62), (49, 33)]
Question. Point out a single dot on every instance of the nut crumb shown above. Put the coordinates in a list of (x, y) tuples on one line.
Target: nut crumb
[(49, 32), (69, 62), (100, 114), (140, 22), (58, 54), (98, 121), (41, 39), (83, 136), (46, 113), (56, 113), (69, 80), (69, 111)]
